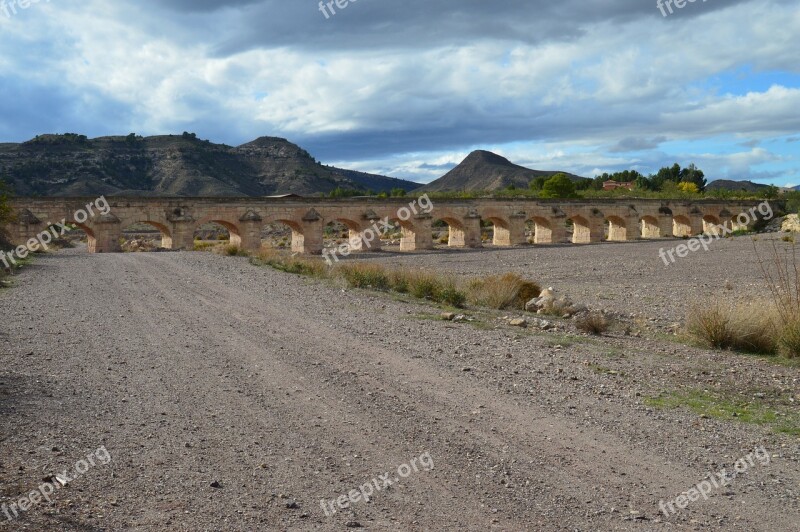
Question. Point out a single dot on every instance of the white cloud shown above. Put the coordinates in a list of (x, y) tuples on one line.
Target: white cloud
[(544, 98)]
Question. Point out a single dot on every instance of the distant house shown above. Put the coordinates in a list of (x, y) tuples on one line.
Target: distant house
[(613, 185)]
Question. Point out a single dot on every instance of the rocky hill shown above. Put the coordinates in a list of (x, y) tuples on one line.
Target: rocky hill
[(728, 184), (174, 165), (484, 170)]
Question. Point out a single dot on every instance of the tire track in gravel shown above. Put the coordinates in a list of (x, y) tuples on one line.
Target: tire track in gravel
[(598, 459), (269, 384)]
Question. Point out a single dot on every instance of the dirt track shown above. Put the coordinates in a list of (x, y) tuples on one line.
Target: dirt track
[(193, 369)]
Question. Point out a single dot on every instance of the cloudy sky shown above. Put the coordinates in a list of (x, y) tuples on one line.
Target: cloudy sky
[(408, 88)]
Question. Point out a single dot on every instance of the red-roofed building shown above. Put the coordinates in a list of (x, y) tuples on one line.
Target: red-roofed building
[(613, 185)]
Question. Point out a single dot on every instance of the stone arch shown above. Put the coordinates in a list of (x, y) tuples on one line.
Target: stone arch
[(414, 235), (711, 224), (681, 226), (650, 227), (166, 234), (542, 230), (91, 238), (455, 231), (581, 230), (501, 234), (297, 242), (740, 221), (233, 229), (360, 236), (617, 229)]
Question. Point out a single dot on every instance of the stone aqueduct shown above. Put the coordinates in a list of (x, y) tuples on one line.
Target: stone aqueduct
[(178, 218)]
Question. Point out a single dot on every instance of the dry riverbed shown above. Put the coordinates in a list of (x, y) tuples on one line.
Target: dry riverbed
[(234, 397)]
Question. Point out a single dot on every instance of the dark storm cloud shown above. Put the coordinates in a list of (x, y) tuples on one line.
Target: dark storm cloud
[(365, 24)]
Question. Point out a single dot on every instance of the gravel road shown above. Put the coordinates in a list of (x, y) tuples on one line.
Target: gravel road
[(233, 397)]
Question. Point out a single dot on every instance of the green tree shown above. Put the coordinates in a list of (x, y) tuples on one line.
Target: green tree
[(668, 173), (643, 183), (537, 183), (398, 193), (771, 192), (692, 174), (558, 186)]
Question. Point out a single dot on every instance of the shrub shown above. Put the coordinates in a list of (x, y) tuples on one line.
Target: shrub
[(749, 328), (232, 250), (509, 291), (434, 288), (204, 246), (365, 276), (789, 341), (423, 286), (399, 281), (451, 295), (289, 264), (593, 323)]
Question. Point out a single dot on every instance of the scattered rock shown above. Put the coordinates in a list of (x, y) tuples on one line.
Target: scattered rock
[(216, 485), (791, 224), (519, 322), (540, 303)]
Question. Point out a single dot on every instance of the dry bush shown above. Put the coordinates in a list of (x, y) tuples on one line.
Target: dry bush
[(232, 250), (434, 287), (359, 275), (509, 291), (750, 328), (782, 275), (204, 246), (789, 341), (399, 281), (289, 264), (593, 323)]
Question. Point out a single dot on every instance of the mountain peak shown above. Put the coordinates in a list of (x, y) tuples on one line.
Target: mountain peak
[(265, 142), (483, 170), (486, 157)]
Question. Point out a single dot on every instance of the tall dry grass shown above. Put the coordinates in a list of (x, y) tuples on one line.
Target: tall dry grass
[(750, 328), (503, 292), (509, 291), (768, 325), (781, 271)]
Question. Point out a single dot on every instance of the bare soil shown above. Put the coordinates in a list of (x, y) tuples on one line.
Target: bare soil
[(233, 397)]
